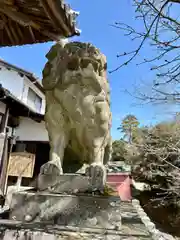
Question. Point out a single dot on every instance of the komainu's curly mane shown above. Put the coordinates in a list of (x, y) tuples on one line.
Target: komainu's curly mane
[(72, 56)]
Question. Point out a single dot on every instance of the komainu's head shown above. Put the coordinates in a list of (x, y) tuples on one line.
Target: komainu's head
[(78, 71)]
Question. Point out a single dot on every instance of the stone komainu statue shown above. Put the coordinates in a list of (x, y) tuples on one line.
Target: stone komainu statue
[(77, 104)]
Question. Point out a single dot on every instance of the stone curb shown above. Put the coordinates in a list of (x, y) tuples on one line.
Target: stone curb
[(155, 233)]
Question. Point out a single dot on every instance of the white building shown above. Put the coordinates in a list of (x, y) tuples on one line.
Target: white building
[(23, 85), (22, 126), (26, 88)]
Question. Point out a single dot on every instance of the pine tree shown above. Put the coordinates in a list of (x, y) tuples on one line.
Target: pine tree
[(129, 126)]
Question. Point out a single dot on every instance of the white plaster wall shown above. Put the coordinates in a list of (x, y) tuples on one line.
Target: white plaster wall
[(28, 84), (30, 130), (2, 107), (18, 86), (12, 81)]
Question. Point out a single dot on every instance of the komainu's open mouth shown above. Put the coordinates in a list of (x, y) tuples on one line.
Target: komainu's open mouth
[(76, 63)]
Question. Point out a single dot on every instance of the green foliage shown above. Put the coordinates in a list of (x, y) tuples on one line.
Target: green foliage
[(119, 150), (129, 126)]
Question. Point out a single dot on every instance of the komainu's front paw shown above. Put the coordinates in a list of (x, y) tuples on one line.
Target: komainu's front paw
[(97, 174), (48, 176), (50, 168)]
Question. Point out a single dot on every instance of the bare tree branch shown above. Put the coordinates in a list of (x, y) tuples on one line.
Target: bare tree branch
[(161, 32)]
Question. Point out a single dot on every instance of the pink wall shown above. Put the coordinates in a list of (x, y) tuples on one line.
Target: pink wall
[(121, 183)]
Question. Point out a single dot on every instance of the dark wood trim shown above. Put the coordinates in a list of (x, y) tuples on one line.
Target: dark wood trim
[(1, 115), (5, 120), (4, 166), (4, 157)]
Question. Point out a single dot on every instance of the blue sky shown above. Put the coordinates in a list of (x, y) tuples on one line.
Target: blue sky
[(94, 20)]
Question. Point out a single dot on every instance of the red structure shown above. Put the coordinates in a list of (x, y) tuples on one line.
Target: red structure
[(121, 183)]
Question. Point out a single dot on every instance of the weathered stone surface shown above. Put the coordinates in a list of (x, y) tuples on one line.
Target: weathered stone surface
[(73, 210), (133, 229), (11, 190), (75, 217), (70, 183), (134, 225), (34, 231), (78, 112), (23, 235), (67, 183), (37, 235), (79, 217), (97, 175), (150, 226)]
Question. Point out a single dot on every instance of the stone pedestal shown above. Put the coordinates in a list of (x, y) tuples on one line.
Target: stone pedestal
[(75, 217), (67, 183), (73, 210), (95, 218), (73, 214), (94, 179)]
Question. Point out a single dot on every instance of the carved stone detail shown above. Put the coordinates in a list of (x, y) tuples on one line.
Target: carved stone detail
[(78, 112)]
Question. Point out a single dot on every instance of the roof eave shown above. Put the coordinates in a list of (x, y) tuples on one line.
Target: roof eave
[(8, 98), (55, 20)]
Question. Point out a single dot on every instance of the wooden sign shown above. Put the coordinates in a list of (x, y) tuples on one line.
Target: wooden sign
[(21, 164)]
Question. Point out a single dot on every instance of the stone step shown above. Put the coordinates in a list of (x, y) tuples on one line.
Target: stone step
[(15, 228), (24, 235), (126, 229)]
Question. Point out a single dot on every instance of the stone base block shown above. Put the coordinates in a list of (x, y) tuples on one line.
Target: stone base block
[(36, 235), (73, 210), (76, 216), (73, 183), (67, 183)]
